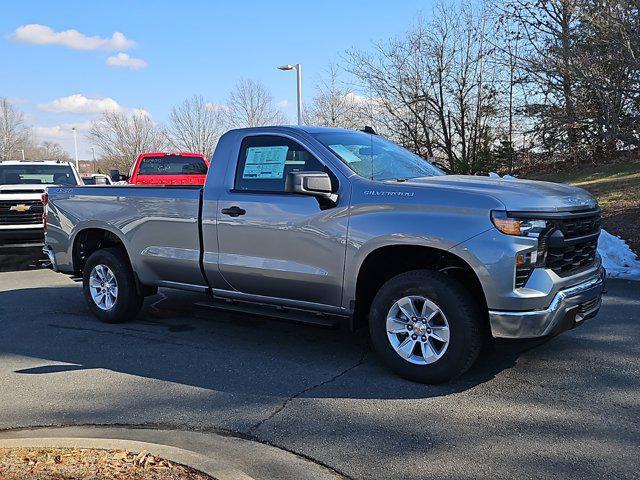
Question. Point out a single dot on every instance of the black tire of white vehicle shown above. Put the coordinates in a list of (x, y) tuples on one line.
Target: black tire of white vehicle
[(128, 301), (464, 318)]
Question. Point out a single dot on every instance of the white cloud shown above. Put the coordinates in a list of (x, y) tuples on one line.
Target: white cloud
[(36, 34), (217, 107), (358, 99), (140, 112), (283, 104), (78, 103), (124, 60), (62, 131)]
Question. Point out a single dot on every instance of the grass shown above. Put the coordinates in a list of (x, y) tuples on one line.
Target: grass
[(617, 188)]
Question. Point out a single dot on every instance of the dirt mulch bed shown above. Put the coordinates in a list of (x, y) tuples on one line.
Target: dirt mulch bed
[(84, 464)]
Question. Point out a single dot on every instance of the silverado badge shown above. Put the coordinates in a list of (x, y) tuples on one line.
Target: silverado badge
[(20, 208)]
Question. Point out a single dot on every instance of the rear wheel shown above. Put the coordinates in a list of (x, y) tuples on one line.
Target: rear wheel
[(425, 326), (109, 286)]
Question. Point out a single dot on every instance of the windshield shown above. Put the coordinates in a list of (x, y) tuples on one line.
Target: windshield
[(37, 174), (172, 165), (373, 157)]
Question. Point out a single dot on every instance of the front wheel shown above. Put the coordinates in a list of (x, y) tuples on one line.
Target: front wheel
[(425, 326), (109, 286)]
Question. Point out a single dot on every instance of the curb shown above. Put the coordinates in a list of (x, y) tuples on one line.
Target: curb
[(219, 456)]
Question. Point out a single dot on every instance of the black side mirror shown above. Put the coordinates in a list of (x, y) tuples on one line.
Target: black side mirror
[(115, 175), (317, 184)]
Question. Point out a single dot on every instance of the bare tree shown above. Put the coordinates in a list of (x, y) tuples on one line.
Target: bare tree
[(196, 125), (547, 58), (607, 73), (436, 87), (46, 150), (336, 106), (121, 137), (13, 132), (251, 105)]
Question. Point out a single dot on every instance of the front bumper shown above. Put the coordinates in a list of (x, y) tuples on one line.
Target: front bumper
[(20, 240), (569, 308)]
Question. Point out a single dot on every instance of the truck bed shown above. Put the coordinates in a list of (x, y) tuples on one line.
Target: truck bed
[(159, 224)]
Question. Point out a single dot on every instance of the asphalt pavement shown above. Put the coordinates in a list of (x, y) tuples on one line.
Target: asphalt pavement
[(568, 407)]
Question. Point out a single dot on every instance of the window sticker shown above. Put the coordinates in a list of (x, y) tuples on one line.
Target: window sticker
[(346, 154), (265, 162)]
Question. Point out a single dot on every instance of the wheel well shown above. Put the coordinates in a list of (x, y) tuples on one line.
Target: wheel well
[(90, 240), (387, 262)]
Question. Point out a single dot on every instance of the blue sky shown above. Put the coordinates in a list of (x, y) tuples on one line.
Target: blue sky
[(189, 47)]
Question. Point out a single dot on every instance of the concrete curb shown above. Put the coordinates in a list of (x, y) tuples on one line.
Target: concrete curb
[(222, 457)]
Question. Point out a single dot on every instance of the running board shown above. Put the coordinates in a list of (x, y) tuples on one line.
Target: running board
[(273, 312)]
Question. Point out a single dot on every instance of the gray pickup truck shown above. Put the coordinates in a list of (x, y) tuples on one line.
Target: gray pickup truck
[(326, 225)]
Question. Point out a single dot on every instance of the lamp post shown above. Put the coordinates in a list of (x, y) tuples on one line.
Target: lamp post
[(22, 150), (93, 156), (298, 68), (75, 144)]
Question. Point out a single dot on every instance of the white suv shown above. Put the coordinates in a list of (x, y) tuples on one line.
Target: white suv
[(22, 184)]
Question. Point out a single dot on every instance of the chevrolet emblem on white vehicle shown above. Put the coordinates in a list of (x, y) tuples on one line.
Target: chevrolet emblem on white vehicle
[(20, 208)]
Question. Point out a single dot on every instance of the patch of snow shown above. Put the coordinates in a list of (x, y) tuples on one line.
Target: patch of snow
[(505, 177), (617, 257)]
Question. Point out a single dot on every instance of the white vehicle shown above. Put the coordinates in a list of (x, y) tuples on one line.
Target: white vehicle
[(22, 184), (96, 179)]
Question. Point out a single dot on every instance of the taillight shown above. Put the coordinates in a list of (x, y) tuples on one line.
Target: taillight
[(45, 200)]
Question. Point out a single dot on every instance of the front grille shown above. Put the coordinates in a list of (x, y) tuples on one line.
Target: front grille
[(578, 250), (15, 216)]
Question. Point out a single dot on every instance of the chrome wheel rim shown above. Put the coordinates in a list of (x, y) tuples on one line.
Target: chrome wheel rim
[(417, 330), (103, 287)]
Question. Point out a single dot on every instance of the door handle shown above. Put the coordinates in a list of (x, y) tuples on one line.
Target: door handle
[(233, 211)]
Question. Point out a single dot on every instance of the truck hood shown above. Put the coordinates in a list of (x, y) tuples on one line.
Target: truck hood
[(516, 195), (24, 188)]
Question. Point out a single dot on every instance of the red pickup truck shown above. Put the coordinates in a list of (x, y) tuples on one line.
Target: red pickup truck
[(159, 168)]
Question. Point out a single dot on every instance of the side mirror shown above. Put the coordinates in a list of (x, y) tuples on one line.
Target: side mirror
[(115, 175), (316, 184)]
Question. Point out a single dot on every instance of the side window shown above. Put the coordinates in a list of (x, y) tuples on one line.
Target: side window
[(266, 160)]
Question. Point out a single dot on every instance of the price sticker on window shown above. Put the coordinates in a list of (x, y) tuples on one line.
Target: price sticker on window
[(265, 162)]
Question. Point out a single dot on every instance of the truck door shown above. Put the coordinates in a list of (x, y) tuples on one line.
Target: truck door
[(279, 244)]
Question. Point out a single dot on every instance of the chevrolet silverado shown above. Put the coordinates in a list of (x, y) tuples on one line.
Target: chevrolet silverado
[(325, 225)]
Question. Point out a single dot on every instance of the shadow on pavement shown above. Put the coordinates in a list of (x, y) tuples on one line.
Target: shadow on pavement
[(15, 263), (171, 341)]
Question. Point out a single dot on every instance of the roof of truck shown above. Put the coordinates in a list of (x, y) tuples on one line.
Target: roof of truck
[(304, 128), (34, 162)]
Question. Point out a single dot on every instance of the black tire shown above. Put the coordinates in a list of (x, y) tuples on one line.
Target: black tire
[(465, 319), (129, 301)]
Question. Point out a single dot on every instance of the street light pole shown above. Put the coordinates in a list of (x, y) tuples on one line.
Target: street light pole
[(22, 150), (75, 144), (298, 68), (93, 156), (299, 75)]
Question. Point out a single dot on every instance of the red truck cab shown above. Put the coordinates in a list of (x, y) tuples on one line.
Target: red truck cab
[(160, 168)]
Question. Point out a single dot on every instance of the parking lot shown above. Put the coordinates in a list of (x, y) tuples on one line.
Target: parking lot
[(565, 408)]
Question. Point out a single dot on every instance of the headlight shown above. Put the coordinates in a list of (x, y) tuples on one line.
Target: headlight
[(523, 227)]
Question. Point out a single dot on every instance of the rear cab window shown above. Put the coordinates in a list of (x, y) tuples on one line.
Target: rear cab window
[(266, 160), (37, 175), (172, 165)]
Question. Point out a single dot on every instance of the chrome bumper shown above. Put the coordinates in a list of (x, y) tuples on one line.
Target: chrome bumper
[(569, 308)]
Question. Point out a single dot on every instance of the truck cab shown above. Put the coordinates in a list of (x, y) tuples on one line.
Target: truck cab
[(22, 184), (160, 168)]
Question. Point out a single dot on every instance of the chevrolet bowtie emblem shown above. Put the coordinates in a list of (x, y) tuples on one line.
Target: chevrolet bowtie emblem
[(20, 208)]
